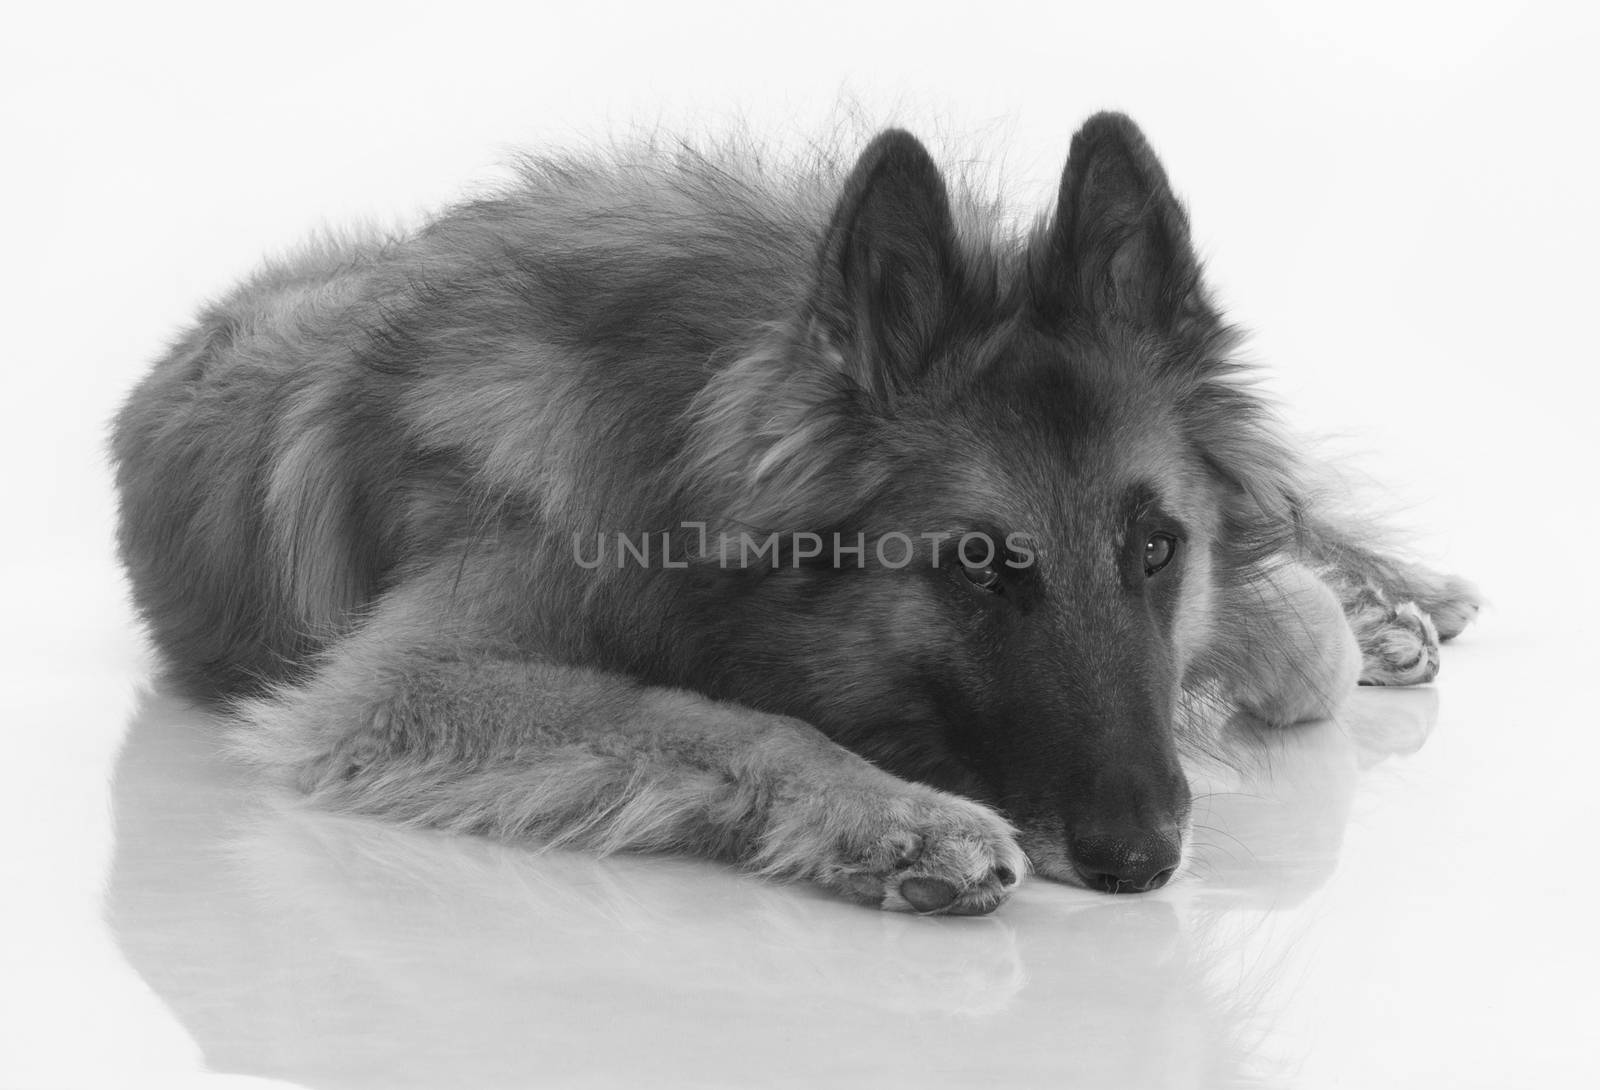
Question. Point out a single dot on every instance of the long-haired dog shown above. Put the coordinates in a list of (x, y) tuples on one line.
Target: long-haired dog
[(821, 522)]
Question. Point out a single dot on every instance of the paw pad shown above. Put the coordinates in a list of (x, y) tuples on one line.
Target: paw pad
[(928, 894)]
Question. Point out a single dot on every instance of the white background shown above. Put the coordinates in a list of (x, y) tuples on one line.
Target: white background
[(1399, 200)]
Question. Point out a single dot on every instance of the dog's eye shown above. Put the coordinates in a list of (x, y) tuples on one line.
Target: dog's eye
[(980, 562), (985, 578), (1158, 552)]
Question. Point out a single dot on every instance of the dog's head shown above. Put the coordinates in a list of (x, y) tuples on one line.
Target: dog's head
[(1045, 476)]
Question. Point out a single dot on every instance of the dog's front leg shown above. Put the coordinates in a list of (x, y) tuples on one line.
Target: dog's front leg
[(1290, 653), (561, 755)]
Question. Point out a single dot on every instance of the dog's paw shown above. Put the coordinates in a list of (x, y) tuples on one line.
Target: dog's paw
[(906, 849), (1399, 644), (1453, 606)]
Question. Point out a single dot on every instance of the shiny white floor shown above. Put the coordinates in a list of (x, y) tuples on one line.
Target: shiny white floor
[(1399, 898)]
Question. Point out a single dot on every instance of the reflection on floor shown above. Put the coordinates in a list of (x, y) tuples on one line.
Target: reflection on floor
[(333, 951)]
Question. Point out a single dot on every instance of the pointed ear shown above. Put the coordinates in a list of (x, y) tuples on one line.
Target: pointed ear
[(887, 268), (1119, 242)]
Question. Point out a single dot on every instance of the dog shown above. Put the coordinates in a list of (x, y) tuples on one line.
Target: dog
[(817, 519)]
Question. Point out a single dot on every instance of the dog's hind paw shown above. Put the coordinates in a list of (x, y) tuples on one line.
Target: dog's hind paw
[(1399, 644), (912, 850)]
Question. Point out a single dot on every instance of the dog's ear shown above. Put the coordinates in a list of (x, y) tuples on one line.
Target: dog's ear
[(1118, 244), (887, 266)]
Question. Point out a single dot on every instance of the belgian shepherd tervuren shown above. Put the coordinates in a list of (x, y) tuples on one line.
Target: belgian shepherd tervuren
[(815, 518)]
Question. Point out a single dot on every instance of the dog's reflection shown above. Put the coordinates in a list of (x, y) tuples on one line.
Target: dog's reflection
[(341, 952), (1270, 815)]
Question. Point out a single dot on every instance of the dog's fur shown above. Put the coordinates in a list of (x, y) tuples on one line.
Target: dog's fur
[(358, 494)]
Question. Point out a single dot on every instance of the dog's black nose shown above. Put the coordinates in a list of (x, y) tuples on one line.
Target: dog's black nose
[(1125, 861)]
